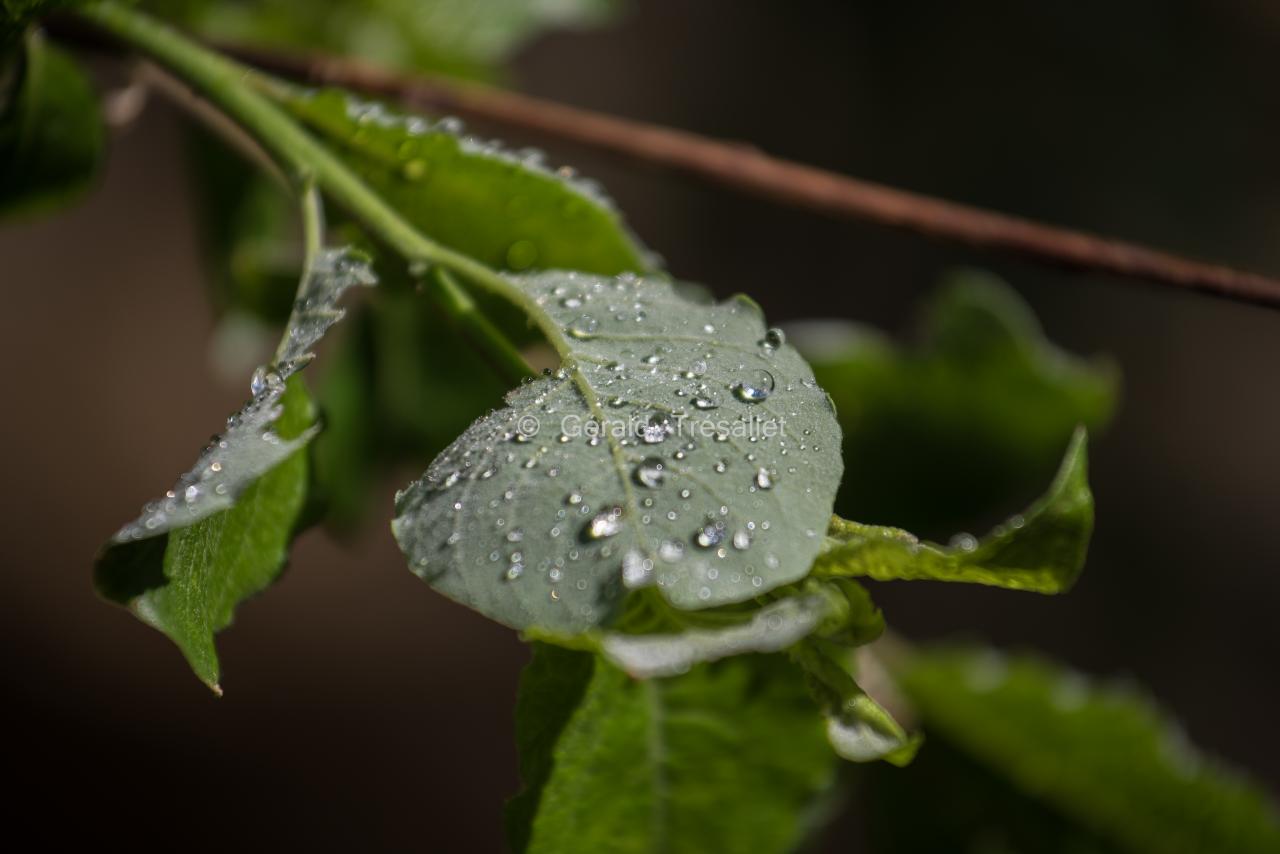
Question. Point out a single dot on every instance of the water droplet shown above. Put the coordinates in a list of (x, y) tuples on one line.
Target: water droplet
[(573, 498), (763, 479), (741, 540), (709, 535), (264, 380), (671, 551), (571, 302), (773, 339), (637, 570), (522, 254), (650, 473), (604, 524), (754, 387), (964, 542), (656, 430), (414, 170), (705, 403), (584, 327), (515, 571)]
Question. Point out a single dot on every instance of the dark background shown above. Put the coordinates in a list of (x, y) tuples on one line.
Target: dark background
[(363, 708)]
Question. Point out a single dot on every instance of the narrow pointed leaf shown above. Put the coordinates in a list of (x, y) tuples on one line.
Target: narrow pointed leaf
[(221, 533), (680, 445), (1101, 755), (729, 757), (1042, 550)]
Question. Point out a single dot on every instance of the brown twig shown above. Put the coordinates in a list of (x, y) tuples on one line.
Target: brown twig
[(747, 170)]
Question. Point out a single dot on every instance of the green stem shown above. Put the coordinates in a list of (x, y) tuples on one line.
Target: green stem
[(505, 360), (226, 84)]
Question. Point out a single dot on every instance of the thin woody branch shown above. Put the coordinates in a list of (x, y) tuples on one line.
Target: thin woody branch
[(747, 170)]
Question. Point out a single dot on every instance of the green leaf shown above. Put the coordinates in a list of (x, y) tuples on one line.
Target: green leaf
[(974, 415), (17, 15), (221, 533), (187, 582), (681, 439), (507, 210), (1101, 755), (1041, 550), (456, 36), (728, 757), (51, 134)]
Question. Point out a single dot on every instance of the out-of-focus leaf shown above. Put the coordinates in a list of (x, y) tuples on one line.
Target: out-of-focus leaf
[(970, 418), (1041, 550), (17, 15), (729, 757), (713, 463), (51, 135), (456, 36), (1101, 755), (249, 224), (507, 210), (221, 533)]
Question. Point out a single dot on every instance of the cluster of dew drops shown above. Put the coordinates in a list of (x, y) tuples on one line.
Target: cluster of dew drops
[(649, 470)]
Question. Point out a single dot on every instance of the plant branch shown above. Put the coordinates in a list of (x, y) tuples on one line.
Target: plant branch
[(750, 171), (230, 87)]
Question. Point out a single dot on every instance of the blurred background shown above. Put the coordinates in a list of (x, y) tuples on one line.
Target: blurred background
[(363, 709)]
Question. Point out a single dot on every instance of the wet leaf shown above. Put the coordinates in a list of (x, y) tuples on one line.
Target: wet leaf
[(858, 728), (506, 209), (51, 135), (967, 420), (680, 445), (221, 533), (1042, 550), (729, 757), (1101, 755)]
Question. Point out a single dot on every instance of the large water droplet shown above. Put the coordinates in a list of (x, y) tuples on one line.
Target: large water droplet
[(763, 479), (709, 535), (773, 339), (754, 387), (604, 524), (584, 327), (264, 380), (522, 254), (650, 473), (656, 430)]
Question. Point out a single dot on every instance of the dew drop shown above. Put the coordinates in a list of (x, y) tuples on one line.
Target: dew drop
[(637, 570), (763, 479), (604, 524), (773, 339), (709, 535), (754, 387), (584, 327), (650, 472)]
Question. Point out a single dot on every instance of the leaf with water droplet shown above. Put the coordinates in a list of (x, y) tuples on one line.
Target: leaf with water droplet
[(614, 764), (619, 420), (503, 208), (1100, 758), (858, 728), (1042, 550), (981, 407), (220, 534)]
